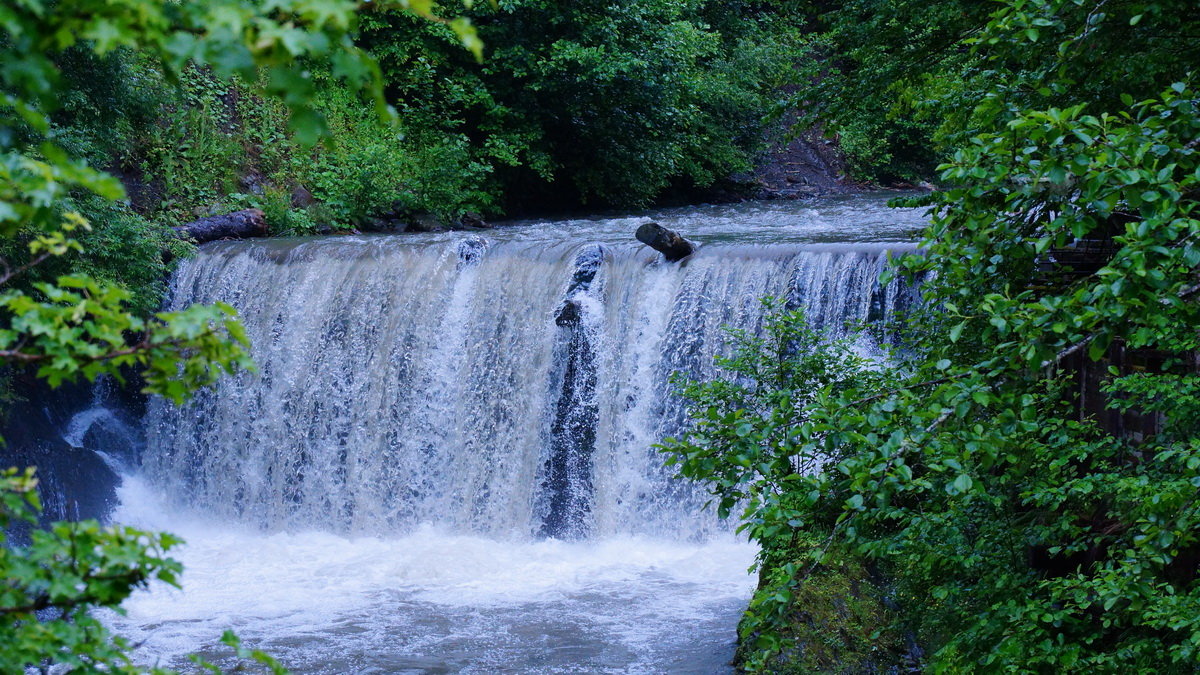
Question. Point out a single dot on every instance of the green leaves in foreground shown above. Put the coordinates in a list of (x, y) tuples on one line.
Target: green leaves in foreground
[(79, 327), (1012, 534), (53, 583)]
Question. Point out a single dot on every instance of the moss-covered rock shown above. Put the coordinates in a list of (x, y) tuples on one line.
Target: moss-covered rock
[(825, 618)]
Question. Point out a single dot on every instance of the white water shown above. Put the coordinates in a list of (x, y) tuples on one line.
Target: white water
[(370, 500), (436, 601)]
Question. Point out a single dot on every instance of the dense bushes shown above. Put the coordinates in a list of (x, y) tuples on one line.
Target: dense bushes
[(594, 103), (1025, 478), (905, 83)]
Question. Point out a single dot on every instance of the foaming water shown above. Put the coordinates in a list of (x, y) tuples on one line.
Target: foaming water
[(434, 601), (445, 462)]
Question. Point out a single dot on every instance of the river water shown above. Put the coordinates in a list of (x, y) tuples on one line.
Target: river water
[(444, 461)]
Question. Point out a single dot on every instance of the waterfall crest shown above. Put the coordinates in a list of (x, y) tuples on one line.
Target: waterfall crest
[(500, 387)]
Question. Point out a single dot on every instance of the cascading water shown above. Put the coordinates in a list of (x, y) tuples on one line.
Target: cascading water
[(444, 461)]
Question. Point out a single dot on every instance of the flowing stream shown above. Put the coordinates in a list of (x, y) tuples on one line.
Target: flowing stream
[(444, 460)]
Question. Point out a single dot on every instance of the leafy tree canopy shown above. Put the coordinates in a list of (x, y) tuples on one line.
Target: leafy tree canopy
[(599, 102)]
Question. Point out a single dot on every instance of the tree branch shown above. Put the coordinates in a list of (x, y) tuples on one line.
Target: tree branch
[(144, 345), (10, 273), (926, 383)]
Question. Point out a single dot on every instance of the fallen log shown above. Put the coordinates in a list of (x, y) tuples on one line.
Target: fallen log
[(236, 225), (673, 247)]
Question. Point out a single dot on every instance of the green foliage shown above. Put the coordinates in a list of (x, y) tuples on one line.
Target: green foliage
[(891, 81), (80, 326), (282, 219), (1050, 177), (123, 248), (1013, 536), (189, 151), (615, 105), (903, 84), (744, 436), (595, 102), (751, 442), (56, 579), (1022, 527), (369, 169)]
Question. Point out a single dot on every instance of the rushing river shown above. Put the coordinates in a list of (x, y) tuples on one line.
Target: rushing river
[(443, 462)]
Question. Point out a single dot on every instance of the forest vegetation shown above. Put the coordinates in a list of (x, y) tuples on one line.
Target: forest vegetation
[(1015, 488), (960, 482)]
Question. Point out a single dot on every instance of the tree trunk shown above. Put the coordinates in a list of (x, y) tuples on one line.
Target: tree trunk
[(673, 247), (236, 225)]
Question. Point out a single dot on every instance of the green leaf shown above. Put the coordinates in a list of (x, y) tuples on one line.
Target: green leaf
[(956, 331), (963, 483)]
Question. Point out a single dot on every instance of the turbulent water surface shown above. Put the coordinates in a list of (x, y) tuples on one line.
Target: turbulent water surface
[(444, 461)]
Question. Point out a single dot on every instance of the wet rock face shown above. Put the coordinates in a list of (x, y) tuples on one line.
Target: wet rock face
[(470, 251), (62, 432), (840, 619), (473, 221), (424, 222), (301, 198), (804, 166)]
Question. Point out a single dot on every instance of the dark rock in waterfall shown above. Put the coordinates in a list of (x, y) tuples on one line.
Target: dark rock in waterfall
[(470, 251), (566, 486), (569, 313), (236, 225), (587, 266), (667, 242)]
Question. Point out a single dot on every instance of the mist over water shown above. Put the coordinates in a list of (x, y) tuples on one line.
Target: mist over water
[(438, 601), (444, 461)]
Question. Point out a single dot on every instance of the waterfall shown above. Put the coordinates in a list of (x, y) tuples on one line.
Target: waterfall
[(444, 461), (493, 386)]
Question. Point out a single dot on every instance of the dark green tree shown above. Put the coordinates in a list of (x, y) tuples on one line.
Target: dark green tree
[(1024, 527), (601, 103)]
